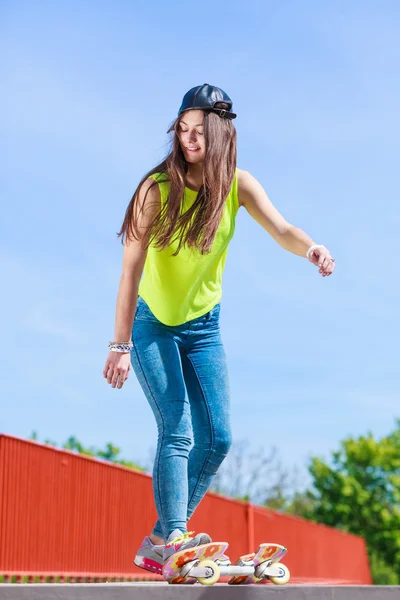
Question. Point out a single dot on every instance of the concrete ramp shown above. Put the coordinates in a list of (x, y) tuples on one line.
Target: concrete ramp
[(163, 591)]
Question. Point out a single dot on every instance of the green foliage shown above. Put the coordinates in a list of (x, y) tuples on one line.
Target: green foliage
[(110, 453), (276, 500), (301, 504), (359, 492), (74, 445), (382, 574)]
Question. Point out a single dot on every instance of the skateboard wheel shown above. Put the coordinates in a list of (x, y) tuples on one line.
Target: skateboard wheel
[(213, 577), (283, 578)]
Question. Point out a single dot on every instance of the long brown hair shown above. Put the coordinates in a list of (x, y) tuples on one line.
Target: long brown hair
[(198, 225)]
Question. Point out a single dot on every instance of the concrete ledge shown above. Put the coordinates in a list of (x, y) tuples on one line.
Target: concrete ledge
[(163, 591)]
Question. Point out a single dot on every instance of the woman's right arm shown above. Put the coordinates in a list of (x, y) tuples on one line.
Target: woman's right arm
[(117, 367)]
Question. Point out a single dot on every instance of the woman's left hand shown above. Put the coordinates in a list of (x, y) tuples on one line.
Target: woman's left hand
[(321, 257)]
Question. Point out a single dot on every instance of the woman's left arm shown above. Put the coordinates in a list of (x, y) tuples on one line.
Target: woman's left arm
[(253, 197)]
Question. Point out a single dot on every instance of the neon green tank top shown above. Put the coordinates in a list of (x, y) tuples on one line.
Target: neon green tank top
[(184, 287)]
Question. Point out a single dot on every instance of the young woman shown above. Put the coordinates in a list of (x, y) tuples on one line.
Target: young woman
[(176, 232)]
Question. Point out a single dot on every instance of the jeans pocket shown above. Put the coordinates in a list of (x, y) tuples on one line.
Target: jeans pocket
[(143, 312)]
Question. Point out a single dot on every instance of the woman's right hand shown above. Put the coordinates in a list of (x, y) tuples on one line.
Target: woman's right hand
[(117, 368)]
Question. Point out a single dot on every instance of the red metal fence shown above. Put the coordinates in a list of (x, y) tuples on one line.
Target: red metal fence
[(62, 512)]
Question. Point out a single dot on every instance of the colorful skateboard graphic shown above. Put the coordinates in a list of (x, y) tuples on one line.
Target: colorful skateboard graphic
[(201, 564), (266, 566), (195, 564)]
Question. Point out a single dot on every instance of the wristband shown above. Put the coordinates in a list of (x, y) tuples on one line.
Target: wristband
[(314, 248)]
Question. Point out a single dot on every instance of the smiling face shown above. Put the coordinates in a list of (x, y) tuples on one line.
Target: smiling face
[(191, 136)]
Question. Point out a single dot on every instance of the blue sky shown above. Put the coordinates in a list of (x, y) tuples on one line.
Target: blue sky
[(89, 90)]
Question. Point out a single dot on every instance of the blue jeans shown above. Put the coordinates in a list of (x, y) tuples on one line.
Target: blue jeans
[(183, 373)]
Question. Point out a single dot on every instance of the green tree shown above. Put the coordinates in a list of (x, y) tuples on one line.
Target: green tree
[(74, 445), (359, 492), (111, 453), (301, 504)]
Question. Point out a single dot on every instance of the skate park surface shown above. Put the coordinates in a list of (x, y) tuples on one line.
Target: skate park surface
[(164, 591)]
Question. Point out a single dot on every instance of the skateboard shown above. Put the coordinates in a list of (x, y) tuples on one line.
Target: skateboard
[(195, 564), (265, 564), (201, 564)]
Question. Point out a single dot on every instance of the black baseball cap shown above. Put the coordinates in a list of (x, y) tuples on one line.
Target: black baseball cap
[(205, 97)]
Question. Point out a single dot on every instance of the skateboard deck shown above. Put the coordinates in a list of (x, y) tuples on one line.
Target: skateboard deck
[(265, 552), (173, 566)]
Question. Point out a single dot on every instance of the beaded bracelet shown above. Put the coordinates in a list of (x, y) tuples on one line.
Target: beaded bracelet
[(120, 346)]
